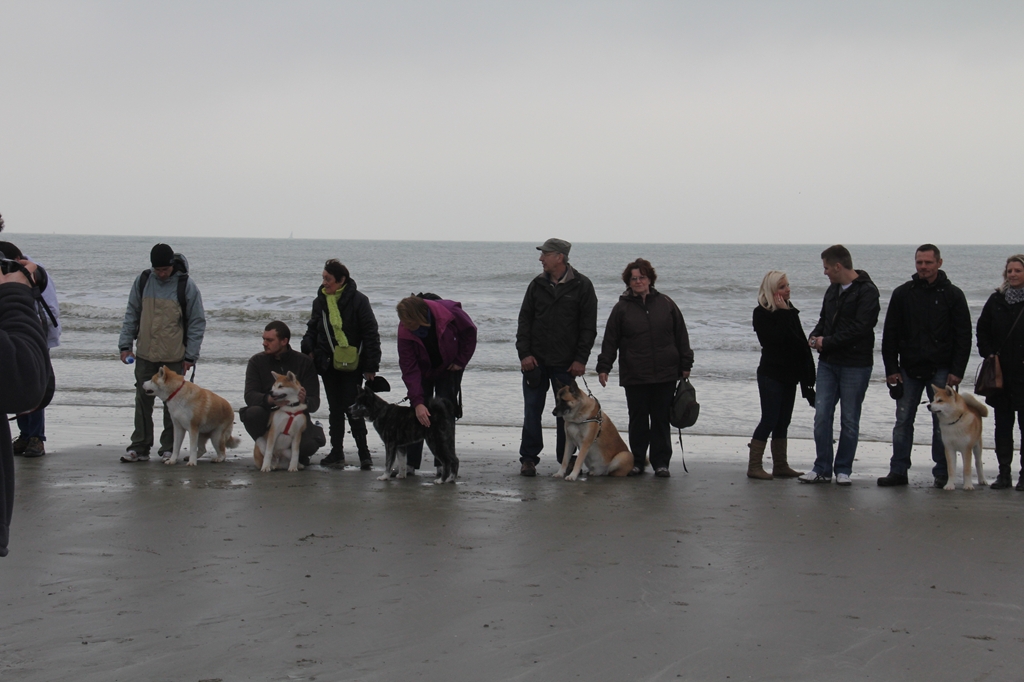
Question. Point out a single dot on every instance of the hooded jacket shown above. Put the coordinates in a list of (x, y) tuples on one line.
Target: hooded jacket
[(456, 342), (847, 323), (155, 318), (357, 322), (558, 321), (927, 327), (650, 337)]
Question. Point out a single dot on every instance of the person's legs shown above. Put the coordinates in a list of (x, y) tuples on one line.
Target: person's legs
[(770, 393), (33, 433), (167, 434), (638, 402), (562, 376), (853, 384), (349, 385), (903, 430), (532, 441), (255, 420), (335, 392), (660, 403), (1004, 416), (142, 436), (414, 451), (938, 449), (826, 398)]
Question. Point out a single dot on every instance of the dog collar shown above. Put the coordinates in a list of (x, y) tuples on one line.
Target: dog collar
[(175, 392), (957, 419)]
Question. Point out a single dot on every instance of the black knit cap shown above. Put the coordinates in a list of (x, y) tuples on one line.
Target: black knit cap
[(161, 256)]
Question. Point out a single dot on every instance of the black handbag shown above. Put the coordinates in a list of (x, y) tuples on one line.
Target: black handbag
[(685, 408)]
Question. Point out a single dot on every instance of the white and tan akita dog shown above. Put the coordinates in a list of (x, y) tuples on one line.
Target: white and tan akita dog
[(960, 425), (284, 433), (201, 413)]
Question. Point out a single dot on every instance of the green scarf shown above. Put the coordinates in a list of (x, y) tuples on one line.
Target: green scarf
[(346, 357)]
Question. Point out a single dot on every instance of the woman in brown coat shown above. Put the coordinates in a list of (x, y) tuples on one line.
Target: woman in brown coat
[(647, 329)]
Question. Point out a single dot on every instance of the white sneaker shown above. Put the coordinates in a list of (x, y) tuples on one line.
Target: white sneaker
[(843, 479), (813, 477)]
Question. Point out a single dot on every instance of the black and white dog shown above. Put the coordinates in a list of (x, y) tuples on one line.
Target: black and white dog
[(398, 427)]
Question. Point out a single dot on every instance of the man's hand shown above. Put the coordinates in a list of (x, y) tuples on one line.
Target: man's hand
[(453, 367), (577, 369), (603, 378), (528, 363), (302, 394), (423, 415), (186, 365), (953, 380), (816, 342), (367, 375), (686, 374), (894, 379), (125, 354)]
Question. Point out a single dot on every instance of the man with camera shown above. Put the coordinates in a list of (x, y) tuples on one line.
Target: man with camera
[(166, 322), (926, 340), (24, 367)]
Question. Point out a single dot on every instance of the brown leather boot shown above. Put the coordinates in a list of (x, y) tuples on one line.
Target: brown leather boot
[(780, 463), (755, 468)]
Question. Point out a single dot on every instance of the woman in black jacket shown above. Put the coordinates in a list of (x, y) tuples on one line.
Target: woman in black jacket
[(785, 362), (342, 338), (1001, 332), (648, 328)]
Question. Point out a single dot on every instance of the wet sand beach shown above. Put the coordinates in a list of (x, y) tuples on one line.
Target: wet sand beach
[(150, 572)]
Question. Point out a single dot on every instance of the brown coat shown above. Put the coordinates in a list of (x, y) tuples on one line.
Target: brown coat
[(651, 338)]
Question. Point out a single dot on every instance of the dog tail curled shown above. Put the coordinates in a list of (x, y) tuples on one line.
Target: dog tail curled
[(233, 442)]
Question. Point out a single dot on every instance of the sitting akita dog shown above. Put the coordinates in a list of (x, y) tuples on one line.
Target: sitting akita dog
[(960, 425), (284, 433), (587, 428), (398, 427), (203, 414)]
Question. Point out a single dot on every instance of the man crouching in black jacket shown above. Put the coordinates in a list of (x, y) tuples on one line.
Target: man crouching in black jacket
[(926, 340), (845, 340), (24, 364), (278, 356)]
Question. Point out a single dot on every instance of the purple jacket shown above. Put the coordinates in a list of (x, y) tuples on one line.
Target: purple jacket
[(456, 340)]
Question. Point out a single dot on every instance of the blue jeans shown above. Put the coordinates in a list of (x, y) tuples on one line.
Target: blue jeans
[(533, 409), (32, 425), (838, 384), (903, 432)]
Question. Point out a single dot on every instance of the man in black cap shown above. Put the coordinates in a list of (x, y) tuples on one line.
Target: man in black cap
[(557, 328), (165, 316)]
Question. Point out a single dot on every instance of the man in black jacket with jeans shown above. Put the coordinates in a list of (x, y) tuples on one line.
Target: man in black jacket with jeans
[(926, 340), (557, 329), (845, 340)]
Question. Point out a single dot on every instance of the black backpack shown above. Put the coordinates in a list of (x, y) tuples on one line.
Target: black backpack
[(179, 266)]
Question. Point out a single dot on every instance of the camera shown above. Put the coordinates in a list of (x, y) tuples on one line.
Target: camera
[(39, 279)]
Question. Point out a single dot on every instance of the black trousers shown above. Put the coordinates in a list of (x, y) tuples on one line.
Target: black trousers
[(341, 389), (649, 406), (256, 420), (445, 386), (1004, 417)]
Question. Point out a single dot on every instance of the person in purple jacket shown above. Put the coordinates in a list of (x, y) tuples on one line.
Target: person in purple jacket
[(436, 339)]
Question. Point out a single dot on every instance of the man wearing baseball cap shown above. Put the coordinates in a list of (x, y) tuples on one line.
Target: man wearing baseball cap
[(165, 321), (557, 328)]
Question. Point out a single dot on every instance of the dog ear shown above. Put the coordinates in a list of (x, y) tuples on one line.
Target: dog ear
[(291, 376), (937, 388), (277, 377), (162, 371), (574, 389), (556, 385)]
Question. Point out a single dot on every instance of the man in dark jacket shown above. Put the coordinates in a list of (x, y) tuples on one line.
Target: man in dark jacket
[(278, 356), (557, 328), (926, 340), (845, 340), (24, 371)]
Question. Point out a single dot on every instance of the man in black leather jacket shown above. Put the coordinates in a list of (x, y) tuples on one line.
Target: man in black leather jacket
[(845, 340), (926, 340)]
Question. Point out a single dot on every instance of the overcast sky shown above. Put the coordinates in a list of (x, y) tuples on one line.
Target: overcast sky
[(804, 122)]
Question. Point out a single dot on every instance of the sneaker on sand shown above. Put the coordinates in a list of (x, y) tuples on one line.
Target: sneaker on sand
[(893, 479), (843, 479), (529, 469), (132, 456), (20, 443), (365, 464), (335, 459), (35, 447), (814, 477)]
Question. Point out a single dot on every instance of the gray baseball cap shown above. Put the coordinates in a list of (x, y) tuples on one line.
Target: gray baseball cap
[(556, 246)]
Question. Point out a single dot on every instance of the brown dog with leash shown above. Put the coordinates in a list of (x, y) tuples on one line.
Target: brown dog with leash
[(590, 430)]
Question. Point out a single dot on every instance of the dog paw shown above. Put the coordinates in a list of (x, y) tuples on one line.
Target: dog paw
[(982, 481), (438, 481), (571, 477), (968, 486), (558, 474), (265, 469), (949, 486), (451, 479), (293, 469), (385, 477), (400, 476), (170, 461), (191, 463)]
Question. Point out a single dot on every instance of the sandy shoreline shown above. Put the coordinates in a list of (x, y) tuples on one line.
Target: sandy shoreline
[(149, 572)]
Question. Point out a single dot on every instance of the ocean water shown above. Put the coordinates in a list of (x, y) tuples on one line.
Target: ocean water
[(247, 282)]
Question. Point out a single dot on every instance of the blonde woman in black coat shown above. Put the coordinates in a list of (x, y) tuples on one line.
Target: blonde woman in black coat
[(647, 329), (786, 361)]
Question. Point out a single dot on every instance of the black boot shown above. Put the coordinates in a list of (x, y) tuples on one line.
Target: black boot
[(1004, 455), (359, 436)]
